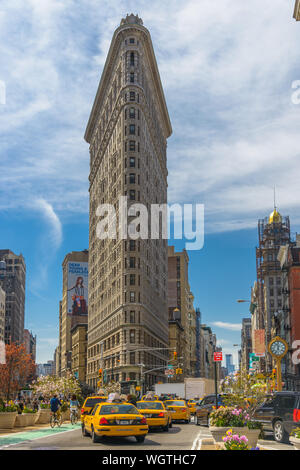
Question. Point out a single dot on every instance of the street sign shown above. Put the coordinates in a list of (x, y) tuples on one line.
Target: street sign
[(218, 356)]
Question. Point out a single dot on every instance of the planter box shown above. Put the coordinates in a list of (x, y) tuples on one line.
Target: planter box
[(30, 418), (7, 419), (44, 416), (219, 432), (296, 442), (21, 421)]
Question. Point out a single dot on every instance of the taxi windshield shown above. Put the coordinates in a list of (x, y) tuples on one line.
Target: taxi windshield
[(118, 409), (175, 402), (149, 405)]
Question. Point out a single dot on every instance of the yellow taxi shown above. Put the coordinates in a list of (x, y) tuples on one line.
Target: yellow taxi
[(156, 413), (89, 404), (115, 419), (179, 409), (192, 406)]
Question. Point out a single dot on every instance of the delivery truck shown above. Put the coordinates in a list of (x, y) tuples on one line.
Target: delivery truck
[(191, 388)]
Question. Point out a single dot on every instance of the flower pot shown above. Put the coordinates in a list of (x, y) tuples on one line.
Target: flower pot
[(219, 432), (21, 421), (7, 419), (44, 416), (296, 442), (31, 418)]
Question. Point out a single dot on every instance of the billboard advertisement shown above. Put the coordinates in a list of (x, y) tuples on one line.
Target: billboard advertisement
[(77, 288), (259, 343)]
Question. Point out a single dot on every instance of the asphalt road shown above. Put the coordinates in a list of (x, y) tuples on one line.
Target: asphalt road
[(180, 437)]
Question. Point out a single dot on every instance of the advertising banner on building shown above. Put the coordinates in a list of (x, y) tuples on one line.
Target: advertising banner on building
[(259, 343), (77, 288)]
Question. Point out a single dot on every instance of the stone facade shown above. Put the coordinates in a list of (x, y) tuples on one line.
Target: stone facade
[(246, 342), (127, 132), (181, 298), (12, 281), (30, 343), (79, 351)]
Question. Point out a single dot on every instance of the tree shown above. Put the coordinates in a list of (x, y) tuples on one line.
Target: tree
[(49, 385), (246, 390), (17, 370)]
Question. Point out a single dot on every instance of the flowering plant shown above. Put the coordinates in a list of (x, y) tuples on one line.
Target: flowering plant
[(295, 433), (234, 441), (7, 407), (45, 405), (229, 416), (28, 410)]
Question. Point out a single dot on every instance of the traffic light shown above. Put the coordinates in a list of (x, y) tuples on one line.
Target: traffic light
[(100, 377), (175, 355)]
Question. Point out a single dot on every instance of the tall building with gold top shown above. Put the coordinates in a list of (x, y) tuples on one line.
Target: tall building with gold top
[(127, 132), (297, 10), (273, 232)]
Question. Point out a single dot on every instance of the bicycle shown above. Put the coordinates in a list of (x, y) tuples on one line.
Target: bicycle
[(55, 419), (73, 415)]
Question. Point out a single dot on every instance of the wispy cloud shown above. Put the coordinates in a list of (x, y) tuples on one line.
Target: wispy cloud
[(51, 218), (228, 326)]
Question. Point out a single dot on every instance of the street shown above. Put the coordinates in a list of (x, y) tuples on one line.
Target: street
[(180, 437)]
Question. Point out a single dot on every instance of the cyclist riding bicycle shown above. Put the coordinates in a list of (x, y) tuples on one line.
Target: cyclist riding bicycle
[(55, 404), (74, 405)]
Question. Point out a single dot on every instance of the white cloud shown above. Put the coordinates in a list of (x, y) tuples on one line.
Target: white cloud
[(228, 326), (227, 76)]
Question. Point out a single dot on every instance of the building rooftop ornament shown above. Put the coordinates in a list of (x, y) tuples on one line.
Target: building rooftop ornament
[(275, 217), (131, 19)]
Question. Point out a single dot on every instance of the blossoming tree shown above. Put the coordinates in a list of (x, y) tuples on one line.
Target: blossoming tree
[(50, 385)]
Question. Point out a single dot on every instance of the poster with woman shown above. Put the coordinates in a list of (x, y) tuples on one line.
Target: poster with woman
[(77, 288)]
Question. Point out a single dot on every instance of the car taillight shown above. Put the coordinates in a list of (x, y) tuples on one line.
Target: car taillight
[(103, 421), (183, 409), (161, 415), (143, 421), (82, 411), (296, 415)]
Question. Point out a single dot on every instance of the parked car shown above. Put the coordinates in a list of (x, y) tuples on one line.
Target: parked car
[(280, 414), (115, 419), (205, 407), (156, 413)]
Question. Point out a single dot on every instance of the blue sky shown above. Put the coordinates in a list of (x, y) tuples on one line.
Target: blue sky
[(227, 70)]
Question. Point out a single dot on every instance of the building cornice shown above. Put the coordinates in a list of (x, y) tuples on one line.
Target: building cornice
[(297, 10), (107, 72)]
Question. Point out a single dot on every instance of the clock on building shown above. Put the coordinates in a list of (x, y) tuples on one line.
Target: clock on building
[(278, 347)]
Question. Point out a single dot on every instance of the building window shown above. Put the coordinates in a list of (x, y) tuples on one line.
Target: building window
[(132, 316), (132, 358), (132, 336), (132, 145), (132, 58), (132, 296), (132, 178), (131, 245), (132, 95), (132, 279), (132, 262), (132, 162), (132, 195), (132, 78), (132, 113), (131, 40), (131, 129)]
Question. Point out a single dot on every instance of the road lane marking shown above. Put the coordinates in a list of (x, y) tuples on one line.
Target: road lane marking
[(27, 440)]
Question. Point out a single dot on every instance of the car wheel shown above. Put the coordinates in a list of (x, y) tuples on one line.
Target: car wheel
[(166, 428), (84, 431), (140, 438), (280, 434), (95, 438)]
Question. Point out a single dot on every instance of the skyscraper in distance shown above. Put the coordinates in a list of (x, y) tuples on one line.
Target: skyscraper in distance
[(127, 132)]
